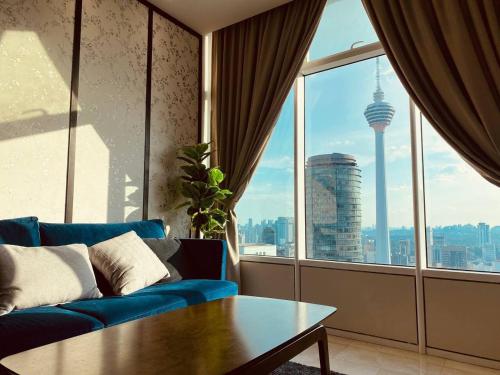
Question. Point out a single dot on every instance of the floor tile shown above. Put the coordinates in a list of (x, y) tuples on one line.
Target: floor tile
[(353, 357), (467, 368)]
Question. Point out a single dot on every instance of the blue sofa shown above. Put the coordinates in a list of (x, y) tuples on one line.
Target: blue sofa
[(200, 262)]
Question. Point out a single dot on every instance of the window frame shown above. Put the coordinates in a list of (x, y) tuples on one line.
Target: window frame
[(421, 268)]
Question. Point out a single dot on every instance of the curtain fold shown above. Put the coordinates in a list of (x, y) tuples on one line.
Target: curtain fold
[(447, 55), (254, 65)]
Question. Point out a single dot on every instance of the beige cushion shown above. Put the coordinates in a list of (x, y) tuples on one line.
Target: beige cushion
[(127, 263), (37, 276)]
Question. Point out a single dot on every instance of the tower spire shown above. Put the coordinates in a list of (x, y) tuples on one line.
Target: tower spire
[(378, 95), (379, 115), (378, 74)]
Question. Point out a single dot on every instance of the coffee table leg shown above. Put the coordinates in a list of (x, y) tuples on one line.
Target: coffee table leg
[(323, 352)]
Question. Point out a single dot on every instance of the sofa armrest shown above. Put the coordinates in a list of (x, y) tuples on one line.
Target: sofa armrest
[(201, 259)]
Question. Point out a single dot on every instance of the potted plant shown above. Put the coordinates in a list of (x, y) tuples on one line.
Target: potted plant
[(200, 185)]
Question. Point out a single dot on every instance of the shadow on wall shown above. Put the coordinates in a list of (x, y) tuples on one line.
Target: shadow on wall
[(35, 77)]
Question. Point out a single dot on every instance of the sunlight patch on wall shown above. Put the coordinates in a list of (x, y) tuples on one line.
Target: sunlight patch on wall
[(35, 73), (92, 204)]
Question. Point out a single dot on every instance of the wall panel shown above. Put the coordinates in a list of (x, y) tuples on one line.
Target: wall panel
[(267, 280), (36, 39), (463, 317), (375, 304), (109, 151), (174, 116)]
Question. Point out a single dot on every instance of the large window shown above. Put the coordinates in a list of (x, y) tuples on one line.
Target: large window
[(358, 165), (462, 210), (355, 192), (266, 210)]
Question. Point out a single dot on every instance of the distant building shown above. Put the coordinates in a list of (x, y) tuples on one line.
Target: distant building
[(429, 241), (269, 235), (333, 208), (438, 243), (285, 231), (484, 235), (369, 250), (258, 249), (401, 255), (488, 251), (454, 256)]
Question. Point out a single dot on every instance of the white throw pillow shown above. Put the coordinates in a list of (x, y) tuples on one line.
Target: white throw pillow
[(38, 276), (127, 263)]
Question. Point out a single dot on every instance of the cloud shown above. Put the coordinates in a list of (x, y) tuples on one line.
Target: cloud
[(283, 162), (337, 143), (394, 153), (399, 188)]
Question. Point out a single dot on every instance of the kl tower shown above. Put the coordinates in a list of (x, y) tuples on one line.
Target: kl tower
[(379, 115)]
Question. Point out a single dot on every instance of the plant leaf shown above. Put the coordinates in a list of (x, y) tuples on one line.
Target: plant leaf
[(215, 176)]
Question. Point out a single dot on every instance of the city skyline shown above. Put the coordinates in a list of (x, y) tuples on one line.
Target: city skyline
[(469, 247)]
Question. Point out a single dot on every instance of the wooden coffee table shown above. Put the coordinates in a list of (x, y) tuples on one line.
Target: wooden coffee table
[(237, 335)]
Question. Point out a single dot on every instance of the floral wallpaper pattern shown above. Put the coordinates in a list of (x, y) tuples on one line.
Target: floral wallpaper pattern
[(36, 44), (109, 169), (36, 50), (174, 117)]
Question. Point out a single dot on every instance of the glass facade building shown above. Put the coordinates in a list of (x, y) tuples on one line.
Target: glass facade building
[(333, 214)]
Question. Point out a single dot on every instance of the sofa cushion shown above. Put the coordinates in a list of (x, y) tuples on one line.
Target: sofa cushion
[(120, 309), (127, 263), (153, 300), (25, 329), (38, 276), (22, 231), (165, 248), (193, 291), (90, 234)]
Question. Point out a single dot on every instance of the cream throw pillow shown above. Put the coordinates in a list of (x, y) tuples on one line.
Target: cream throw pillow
[(127, 263), (37, 276)]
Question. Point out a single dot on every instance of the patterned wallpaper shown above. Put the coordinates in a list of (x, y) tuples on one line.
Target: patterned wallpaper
[(109, 162), (174, 117), (36, 39)]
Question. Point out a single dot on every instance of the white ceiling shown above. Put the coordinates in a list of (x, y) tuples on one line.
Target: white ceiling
[(206, 16)]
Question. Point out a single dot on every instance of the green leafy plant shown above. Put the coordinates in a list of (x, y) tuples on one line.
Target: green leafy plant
[(200, 185)]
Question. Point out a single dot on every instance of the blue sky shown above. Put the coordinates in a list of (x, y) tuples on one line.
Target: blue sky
[(335, 101)]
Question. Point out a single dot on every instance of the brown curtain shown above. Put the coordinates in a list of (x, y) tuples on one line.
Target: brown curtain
[(447, 55), (254, 64)]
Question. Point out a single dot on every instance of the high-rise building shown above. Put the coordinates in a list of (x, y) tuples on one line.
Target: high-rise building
[(401, 255), (269, 235), (484, 235), (438, 243), (429, 241), (454, 256), (487, 248), (379, 115), (333, 208), (284, 230)]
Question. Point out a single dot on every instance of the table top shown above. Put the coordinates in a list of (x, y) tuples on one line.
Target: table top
[(209, 338)]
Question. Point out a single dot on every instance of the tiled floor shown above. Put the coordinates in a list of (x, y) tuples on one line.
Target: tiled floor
[(353, 357)]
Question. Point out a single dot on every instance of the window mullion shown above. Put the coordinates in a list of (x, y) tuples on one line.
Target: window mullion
[(300, 242), (419, 219)]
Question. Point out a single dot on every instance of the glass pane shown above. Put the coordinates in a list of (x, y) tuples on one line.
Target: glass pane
[(358, 165), (462, 210), (266, 210), (344, 25)]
